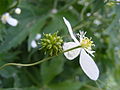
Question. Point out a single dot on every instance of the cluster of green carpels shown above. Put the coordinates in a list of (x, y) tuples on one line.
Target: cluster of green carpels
[(51, 44)]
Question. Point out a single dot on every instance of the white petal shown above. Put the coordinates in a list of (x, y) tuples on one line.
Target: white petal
[(88, 65), (38, 36), (12, 21), (70, 30), (73, 53), (4, 17), (33, 44)]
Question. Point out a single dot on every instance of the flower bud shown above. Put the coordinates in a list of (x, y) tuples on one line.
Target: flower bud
[(17, 10)]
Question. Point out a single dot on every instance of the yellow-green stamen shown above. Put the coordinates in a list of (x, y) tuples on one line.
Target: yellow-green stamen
[(86, 43)]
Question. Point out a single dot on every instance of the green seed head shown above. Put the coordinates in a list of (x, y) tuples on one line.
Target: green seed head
[(51, 44)]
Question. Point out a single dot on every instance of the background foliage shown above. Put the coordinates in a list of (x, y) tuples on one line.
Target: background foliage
[(101, 21)]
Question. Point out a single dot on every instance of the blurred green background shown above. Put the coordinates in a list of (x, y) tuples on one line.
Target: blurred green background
[(101, 20)]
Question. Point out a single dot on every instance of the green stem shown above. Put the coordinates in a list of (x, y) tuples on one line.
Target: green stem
[(71, 49), (14, 6), (98, 85), (35, 63), (67, 5), (115, 1), (91, 87), (82, 12), (55, 4), (80, 26)]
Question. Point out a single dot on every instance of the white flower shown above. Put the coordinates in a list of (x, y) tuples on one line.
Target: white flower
[(54, 11), (70, 7), (97, 22), (38, 36), (118, 1), (86, 62), (88, 14), (6, 18), (34, 43), (17, 10)]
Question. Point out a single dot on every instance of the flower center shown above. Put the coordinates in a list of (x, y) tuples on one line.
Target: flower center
[(86, 43), (5, 18)]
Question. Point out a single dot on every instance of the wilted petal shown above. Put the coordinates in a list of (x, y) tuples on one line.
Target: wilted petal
[(73, 53), (70, 30), (12, 21), (88, 65)]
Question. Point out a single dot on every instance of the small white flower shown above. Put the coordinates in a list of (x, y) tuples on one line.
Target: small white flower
[(6, 18), (88, 14), (86, 3), (97, 22), (33, 44), (70, 7), (38, 36), (86, 62), (54, 11), (17, 10), (118, 1)]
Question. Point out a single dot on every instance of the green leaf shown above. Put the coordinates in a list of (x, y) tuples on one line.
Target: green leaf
[(113, 29), (16, 35), (8, 72), (52, 68), (4, 5), (35, 30), (97, 4), (8, 56), (56, 23), (28, 88), (66, 85)]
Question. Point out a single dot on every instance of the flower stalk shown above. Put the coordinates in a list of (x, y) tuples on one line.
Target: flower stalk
[(35, 63)]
